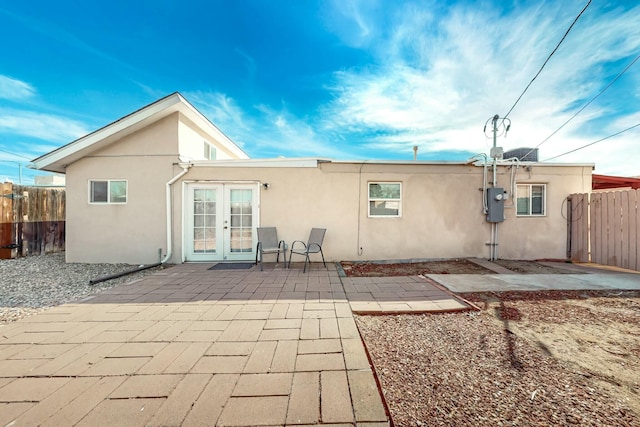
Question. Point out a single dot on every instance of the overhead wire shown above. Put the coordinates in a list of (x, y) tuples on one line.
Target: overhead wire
[(586, 105), (548, 58), (594, 142), (14, 154)]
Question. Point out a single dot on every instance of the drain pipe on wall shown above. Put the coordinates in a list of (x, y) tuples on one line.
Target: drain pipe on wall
[(185, 168)]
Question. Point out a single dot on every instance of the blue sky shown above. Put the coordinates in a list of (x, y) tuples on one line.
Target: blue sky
[(345, 79)]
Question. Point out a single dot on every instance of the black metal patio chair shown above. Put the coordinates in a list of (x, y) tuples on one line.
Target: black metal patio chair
[(313, 246), (268, 243)]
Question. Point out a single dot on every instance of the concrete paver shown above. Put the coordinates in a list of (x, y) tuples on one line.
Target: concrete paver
[(367, 404), (208, 406), (179, 403), (261, 357), (11, 411), (129, 412), (263, 385), (30, 389), (189, 346), (304, 400), (143, 386), (254, 411), (335, 397), (79, 407)]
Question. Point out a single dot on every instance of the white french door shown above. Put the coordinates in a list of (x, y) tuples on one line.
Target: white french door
[(221, 219)]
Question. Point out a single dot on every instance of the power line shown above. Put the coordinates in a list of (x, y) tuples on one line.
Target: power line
[(548, 58), (14, 154), (586, 105), (594, 142)]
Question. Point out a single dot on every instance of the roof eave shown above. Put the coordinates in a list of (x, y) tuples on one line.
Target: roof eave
[(58, 159)]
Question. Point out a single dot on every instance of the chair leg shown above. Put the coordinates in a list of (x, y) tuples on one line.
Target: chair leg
[(257, 251), (325, 264), (261, 262), (306, 259)]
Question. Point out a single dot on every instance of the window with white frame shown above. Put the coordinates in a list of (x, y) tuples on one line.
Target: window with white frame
[(385, 199), (531, 199), (209, 151), (108, 191)]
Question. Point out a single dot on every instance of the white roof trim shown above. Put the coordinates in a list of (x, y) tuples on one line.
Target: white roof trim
[(261, 163), (311, 162), (57, 160)]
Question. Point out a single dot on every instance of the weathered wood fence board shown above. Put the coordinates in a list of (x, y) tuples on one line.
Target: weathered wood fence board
[(578, 216), (32, 220), (612, 223)]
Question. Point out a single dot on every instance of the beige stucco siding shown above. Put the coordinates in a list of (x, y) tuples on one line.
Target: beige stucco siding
[(542, 237), (441, 209), (157, 139), (191, 141), (132, 232)]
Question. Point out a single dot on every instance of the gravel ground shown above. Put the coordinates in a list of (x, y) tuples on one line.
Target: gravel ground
[(464, 369), (31, 284)]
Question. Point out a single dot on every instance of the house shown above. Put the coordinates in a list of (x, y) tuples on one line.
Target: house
[(163, 183)]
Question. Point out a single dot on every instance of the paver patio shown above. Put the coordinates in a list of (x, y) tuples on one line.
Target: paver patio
[(190, 346)]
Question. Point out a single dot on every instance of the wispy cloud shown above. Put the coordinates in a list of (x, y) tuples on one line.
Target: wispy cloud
[(354, 21), (440, 77), (14, 89), (219, 108), (42, 126), (265, 129)]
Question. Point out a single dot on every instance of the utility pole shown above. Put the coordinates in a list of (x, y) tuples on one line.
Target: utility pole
[(495, 195)]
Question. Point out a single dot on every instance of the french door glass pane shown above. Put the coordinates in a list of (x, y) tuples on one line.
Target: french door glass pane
[(241, 208), (204, 220)]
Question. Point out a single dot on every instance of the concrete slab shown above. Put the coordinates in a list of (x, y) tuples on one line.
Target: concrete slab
[(536, 282)]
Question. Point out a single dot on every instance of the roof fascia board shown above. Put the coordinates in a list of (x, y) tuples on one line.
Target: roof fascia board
[(162, 108), (118, 126), (259, 163)]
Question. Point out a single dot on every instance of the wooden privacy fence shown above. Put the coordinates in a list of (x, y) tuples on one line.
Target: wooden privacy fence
[(605, 228), (32, 220)]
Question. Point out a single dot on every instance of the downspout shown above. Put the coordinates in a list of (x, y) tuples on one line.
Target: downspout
[(185, 168)]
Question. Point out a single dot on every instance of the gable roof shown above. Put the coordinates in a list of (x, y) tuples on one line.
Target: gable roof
[(58, 159)]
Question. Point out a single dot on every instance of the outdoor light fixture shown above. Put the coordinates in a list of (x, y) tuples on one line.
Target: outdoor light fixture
[(266, 185)]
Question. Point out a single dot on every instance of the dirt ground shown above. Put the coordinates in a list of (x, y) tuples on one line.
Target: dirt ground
[(452, 266), (527, 358)]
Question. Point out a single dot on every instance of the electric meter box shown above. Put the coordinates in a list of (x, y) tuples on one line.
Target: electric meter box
[(495, 204)]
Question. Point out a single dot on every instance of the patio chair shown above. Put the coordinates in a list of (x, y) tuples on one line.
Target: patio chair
[(313, 246), (268, 243)]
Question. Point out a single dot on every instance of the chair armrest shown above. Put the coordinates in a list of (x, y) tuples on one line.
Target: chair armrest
[(293, 245), (314, 245)]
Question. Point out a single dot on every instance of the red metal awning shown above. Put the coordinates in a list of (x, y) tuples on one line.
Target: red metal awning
[(603, 182)]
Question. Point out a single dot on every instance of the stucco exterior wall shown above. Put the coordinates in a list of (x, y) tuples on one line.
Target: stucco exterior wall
[(542, 237), (442, 209), (132, 232), (191, 141)]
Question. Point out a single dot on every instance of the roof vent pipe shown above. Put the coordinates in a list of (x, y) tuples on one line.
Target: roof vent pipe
[(415, 152)]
